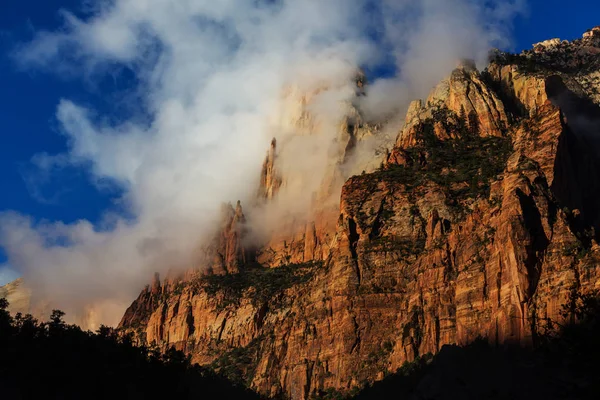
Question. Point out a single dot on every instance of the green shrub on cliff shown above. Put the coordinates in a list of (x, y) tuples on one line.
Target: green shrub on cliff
[(463, 166), (258, 283)]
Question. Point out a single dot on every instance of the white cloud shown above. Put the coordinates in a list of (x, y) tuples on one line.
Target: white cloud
[(210, 75)]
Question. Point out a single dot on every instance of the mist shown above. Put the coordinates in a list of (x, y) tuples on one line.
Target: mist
[(215, 82)]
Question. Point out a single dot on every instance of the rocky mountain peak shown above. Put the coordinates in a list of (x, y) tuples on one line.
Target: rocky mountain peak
[(467, 65), (155, 288), (480, 224), (463, 98), (592, 33)]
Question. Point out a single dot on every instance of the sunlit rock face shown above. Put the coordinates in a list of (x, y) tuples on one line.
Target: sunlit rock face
[(468, 97), (479, 222)]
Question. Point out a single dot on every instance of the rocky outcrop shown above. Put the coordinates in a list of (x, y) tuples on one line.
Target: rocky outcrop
[(308, 233), (592, 33), (465, 95), (270, 181), (147, 302), (228, 250), (481, 223)]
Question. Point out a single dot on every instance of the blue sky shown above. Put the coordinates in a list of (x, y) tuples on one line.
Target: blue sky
[(29, 99)]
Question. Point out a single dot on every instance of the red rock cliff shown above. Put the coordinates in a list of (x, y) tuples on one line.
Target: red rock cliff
[(482, 221)]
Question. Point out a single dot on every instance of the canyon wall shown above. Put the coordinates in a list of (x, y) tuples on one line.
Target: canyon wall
[(480, 221)]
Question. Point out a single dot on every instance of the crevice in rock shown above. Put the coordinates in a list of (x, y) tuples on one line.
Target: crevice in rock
[(490, 106), (163, 319), (377, 222), (513, 106), (542, 185), (309, 372), (221, 329), (354, 237), (538, 241), (450, 271), (533, 323), (499, 287), (260, 315), (356, 344), (190, 321), (485, 286), (351, 145)]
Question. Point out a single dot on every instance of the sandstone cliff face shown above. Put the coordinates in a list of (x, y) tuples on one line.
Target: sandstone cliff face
[(480, 224), (465, 94)]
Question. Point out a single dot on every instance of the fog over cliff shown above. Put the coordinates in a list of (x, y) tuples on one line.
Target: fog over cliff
[(210, 84)]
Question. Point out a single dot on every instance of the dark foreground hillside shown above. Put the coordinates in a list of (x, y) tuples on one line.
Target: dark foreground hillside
[(58, 361), (55, 360)]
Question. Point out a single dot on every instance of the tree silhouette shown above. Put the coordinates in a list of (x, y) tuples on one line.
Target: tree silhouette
[(55, 360)]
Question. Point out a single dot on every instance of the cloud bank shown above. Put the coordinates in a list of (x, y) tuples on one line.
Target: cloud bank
[(210, 78)]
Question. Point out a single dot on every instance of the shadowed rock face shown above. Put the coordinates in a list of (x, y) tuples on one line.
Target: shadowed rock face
[(480, 224), (577, 184)]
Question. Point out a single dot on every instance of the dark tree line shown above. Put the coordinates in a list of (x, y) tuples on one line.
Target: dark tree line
[(55, 360)]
